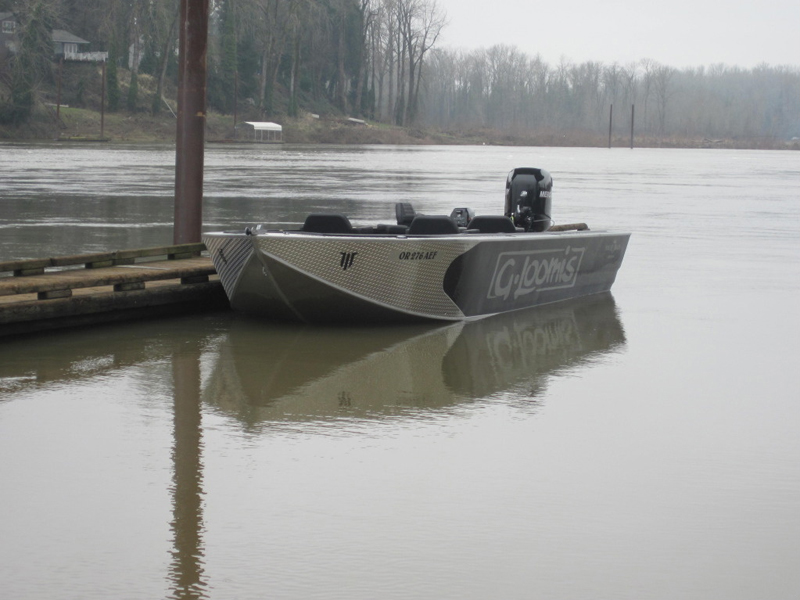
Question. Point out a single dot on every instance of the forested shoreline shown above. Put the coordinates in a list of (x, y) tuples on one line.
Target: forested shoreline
[(380, 61)]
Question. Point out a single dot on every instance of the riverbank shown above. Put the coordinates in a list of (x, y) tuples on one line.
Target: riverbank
[(77, 124)]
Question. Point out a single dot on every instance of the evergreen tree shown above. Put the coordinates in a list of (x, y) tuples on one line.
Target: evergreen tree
[(32, 63), (112, 81)]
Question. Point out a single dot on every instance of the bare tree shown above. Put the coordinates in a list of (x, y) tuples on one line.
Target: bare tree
[(367, 13), (267, 22), (663, 91), (629, 75), (164, 18), (648, 74), (429, 20)]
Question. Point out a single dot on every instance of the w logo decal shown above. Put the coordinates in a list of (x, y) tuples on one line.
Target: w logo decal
[(347, 259)]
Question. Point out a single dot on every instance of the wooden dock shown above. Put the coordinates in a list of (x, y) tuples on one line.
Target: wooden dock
[(68, 291)]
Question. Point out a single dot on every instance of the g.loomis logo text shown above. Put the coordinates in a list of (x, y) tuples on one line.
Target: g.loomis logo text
[(519, 273)]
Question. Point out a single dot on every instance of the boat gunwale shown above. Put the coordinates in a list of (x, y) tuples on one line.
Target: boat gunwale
[(471, 235)]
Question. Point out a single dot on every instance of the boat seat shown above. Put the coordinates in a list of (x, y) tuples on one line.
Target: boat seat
[(404, 212), (493, 224), (432, 225), (327, 223)]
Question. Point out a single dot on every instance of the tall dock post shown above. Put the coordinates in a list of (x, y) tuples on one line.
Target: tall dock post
[(58, 93), (191, 122), (103, 104)]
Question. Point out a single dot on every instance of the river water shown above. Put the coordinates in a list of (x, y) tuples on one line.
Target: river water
[(638, 445)]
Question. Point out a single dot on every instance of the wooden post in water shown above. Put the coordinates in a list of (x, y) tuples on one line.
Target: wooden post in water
[(103, 103), (190, 135), (58, 94), (235, 99), (633, 106), (610, 120)]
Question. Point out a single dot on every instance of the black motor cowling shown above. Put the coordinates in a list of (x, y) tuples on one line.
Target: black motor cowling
[(529, 198)]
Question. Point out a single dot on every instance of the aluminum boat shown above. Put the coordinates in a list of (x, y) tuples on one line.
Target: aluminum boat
[(423, 267)]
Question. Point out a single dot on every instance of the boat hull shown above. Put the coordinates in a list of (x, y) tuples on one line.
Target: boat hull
[(363, 278)]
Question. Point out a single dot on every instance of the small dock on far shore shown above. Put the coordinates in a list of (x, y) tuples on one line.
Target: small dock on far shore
[(69, 291)]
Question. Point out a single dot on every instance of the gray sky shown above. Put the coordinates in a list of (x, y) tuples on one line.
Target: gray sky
[(681, 33)]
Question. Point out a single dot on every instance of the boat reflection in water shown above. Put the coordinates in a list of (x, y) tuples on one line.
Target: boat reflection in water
[(268, 372), (265, 373)]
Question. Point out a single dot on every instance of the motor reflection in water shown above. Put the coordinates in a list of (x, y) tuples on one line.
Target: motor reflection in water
[(274, 373)]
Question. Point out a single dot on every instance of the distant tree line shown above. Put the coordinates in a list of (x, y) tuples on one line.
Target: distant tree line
[(380, 59), (361, 57), (504, 89), (358, 57)]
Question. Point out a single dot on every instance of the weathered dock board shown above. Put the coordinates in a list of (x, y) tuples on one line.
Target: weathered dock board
[(52, 293)]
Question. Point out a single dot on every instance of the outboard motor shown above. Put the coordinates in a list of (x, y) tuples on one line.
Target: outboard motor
[(529, 198)]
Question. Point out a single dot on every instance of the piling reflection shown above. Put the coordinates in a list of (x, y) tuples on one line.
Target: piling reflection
[(71, 358), (186, 570), (268, 373)]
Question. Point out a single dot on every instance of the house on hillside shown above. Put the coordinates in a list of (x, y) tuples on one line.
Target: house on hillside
[(8, 32), (71, 47), (65, 44)]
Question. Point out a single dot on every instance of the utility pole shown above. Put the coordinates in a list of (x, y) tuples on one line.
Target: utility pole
[(235, 99), (103, 104), (58, 94), (191, 122)]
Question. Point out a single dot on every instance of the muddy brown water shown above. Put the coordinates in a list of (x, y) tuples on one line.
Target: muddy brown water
[(637, 445)]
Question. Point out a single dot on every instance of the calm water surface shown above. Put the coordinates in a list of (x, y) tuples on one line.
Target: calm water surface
[(640, 445)]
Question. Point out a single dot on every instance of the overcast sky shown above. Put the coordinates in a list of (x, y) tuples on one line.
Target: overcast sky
[(681, 33)]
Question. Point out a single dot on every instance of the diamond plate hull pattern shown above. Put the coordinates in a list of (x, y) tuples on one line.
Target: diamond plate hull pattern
[(398, 273), (318, 277), (229, 254)]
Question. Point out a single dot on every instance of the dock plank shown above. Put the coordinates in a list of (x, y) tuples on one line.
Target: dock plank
[(53, 299), (31, 266), (91, 307), (82, 278)]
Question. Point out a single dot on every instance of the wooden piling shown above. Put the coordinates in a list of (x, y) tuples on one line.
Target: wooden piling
[(103, 103), (191, 121), (235, 100), (58, 93)]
